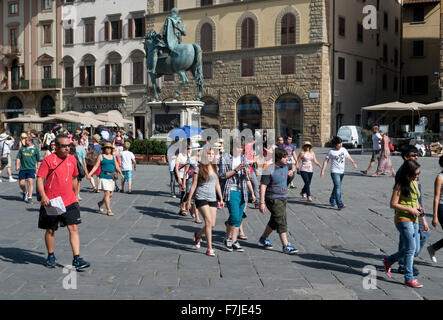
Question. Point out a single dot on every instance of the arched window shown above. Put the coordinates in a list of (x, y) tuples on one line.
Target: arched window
[(87, 71), (288, 29), (206, 38), (248, 33), (288, 116), (113, 69), (210, 116), (68, 64), (137, 58), (249, 112)]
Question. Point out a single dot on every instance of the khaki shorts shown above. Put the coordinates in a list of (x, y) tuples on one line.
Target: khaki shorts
[(9, 162), (107, 184)]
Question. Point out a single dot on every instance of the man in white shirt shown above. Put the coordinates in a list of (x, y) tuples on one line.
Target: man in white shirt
[(376, 147), (6, 143), (128, 159)]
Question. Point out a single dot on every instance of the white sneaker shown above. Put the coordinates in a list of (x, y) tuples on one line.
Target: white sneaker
[(11, 179), (431, 254)]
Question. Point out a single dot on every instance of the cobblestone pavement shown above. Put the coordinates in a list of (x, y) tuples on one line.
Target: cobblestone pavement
[(146, 250)]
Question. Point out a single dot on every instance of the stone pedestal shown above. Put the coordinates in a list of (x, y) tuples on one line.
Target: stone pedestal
[(166, 116)]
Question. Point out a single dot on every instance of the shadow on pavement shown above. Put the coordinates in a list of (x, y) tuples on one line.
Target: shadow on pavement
[(312, 204), (158, 212), (151, 193), (165, 241), (360, 254), (21, 256), (14, 198)]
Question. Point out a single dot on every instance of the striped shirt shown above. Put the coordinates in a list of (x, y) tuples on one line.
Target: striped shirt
[(224, 166)]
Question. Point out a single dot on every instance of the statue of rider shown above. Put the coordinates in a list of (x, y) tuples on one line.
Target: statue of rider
[(173, 30), (170, 38)]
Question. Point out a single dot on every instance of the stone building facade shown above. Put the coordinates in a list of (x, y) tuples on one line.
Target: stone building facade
[(296, 103), (323, 88), (30, 55)]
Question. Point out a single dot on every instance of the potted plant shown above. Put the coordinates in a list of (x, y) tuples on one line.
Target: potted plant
[(140, 150), (157, 151)]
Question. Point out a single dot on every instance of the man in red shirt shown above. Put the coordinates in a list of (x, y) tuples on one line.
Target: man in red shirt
[(60, 172)]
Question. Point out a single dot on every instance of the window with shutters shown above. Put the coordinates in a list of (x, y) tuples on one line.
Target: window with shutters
[(341, 26), (139, 27), (341, 68), (359, 32), (46, 4), (247, 67), (69, 36), (47, 72), (89, 31), (207, 69), (137, 72), (418, 48), (116, 74), (385, 53), (359, 72), (87, 71), (168, 5), (288, 65), (248, 33), (137, 58), (69, 77), (385, 21), (206, 37), (47, 33), (288, 29), (115, 30)]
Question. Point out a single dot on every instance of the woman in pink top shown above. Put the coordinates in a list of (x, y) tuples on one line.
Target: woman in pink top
[(306, 157)]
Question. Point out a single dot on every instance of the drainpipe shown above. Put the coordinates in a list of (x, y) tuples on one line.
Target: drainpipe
[(333, 65)]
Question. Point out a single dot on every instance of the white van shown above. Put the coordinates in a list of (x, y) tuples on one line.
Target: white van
[(351, 136)]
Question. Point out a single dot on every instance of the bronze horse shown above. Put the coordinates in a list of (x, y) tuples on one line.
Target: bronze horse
[(187, 58)]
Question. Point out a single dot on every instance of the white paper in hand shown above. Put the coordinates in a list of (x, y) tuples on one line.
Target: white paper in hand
[(57, 207)]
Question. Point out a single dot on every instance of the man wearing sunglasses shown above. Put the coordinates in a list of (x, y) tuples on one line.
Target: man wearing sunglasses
[(409, 152), (57, 178)]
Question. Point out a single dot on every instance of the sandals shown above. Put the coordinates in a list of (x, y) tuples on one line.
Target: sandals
[(109, 213), (183, 213), (93, 190), (100, 204), (198, 222), (243, 237)]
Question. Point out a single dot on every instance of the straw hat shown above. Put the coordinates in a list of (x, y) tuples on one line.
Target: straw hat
[(96, 137), (23, 135), (307, 143), (108, 145)]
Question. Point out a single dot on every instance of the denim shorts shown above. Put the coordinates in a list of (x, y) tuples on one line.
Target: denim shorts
[(26, 174)]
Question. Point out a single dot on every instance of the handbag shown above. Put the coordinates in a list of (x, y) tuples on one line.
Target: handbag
[(3, 160), (391, 147), (81, 170)]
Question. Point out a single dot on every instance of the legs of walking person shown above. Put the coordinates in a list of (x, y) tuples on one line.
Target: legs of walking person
[(337, 179), (423, 237), (30, 183), (307, 177), (50, 240), (409, 236), (236, 207), (209, 217), (21, 184), (172, 182), (439, 244), (74, 239), (255, 186)]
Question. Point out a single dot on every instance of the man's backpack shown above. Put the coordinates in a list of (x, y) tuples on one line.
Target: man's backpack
[(91, 157)]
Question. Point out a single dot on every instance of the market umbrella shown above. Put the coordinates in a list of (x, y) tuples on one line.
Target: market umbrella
[(71, 118), (112, 117), (185, 132), (30, 119), (433, 106)]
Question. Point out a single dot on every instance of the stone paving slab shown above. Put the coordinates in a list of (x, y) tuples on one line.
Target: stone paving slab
[(147, 251)]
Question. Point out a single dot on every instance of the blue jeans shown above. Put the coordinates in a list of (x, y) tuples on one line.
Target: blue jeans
[(335, 198), (423, 238), (411, 242), (307, 177)]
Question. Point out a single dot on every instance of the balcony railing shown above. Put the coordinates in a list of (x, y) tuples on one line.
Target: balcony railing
[(12, 50), (51, 83)]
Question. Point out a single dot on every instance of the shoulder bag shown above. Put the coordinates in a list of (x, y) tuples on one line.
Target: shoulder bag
[(3, 160)]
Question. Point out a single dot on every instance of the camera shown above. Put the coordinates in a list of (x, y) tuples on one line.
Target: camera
[(422, 213)]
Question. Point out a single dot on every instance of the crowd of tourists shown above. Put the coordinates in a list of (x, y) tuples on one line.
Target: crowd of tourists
[(211, 177)]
